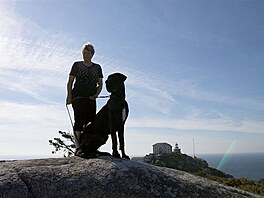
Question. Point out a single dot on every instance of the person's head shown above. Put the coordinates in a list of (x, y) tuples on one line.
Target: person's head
[(88, 51)]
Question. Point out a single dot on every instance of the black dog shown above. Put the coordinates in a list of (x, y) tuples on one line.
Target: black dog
[(109, 120)]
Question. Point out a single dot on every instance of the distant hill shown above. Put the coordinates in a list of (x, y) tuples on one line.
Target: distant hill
[(185, 163)]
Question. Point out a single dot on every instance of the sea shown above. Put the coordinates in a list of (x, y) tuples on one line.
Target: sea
[(242, 165), (239, 165)]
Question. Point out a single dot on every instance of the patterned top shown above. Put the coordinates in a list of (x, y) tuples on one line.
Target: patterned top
[(86, 79)]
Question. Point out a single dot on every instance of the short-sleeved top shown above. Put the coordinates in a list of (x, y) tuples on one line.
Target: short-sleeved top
[(86, 79)]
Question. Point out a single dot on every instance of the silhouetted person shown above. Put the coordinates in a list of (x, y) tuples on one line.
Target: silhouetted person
[(87, 78)]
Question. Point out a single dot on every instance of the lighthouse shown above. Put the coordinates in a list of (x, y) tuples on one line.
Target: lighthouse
[(177, 150)]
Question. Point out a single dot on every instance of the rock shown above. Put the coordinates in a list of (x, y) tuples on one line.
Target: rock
[(103, 177)]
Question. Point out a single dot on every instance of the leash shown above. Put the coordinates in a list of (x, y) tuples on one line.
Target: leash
[(103, 96), (88, 97), (69, 115)]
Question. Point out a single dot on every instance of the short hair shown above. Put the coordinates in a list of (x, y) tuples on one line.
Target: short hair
[(89, 47)]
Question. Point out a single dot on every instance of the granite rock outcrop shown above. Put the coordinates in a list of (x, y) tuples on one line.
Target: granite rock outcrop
[(103, 177)]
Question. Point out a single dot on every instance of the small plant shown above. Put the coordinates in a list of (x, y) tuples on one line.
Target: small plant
[(65, 145)]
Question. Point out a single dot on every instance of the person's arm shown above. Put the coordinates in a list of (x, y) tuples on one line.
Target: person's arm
[(99, 88), (69, 89)]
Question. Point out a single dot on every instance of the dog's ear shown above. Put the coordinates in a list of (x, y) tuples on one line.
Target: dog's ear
[(109, 84), (122, 77)]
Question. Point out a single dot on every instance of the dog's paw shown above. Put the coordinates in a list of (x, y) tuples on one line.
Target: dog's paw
[(102, 153), (124, 156), (116, 154), (90, 155)]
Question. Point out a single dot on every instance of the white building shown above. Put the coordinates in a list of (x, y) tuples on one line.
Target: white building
[(162, 148)]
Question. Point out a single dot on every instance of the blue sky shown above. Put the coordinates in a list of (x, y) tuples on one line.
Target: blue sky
[(195, 71)]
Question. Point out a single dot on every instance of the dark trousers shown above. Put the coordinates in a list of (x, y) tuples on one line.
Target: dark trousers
[(84, 112)]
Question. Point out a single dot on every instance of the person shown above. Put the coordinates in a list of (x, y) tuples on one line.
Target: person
[(87, 77)]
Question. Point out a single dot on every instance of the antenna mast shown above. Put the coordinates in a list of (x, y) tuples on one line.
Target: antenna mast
[(193, 149)]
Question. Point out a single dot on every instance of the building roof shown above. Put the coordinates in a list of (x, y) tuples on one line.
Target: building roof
[(162, 143)]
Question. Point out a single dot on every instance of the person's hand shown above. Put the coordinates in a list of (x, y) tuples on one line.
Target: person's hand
[(93, 97), (68, 100)]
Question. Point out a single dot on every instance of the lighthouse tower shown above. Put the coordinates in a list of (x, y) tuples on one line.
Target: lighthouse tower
[(177, 150)]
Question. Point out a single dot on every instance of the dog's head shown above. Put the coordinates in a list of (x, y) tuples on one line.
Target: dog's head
[(115, 82)]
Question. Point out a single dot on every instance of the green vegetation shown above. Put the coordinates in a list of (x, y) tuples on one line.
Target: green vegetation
[(185, 163), (64, 145), (256, 187)]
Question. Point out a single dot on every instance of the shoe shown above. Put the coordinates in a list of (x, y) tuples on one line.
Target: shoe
[(79, 152)]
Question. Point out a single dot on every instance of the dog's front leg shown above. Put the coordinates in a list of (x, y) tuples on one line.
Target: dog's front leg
[(122, 142), (112, 127), (114, 145)]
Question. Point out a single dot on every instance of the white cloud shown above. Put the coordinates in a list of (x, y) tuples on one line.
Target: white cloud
[(26, 114), (26, 128), (245, 126)]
